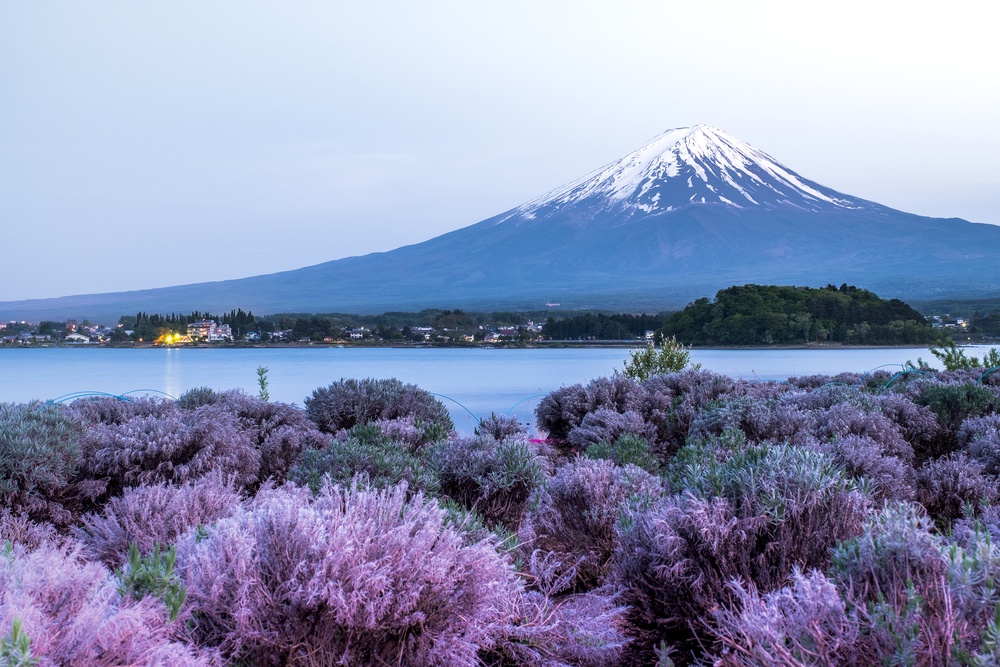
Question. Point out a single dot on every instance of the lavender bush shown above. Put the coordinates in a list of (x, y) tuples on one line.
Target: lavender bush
[(493, 477), (626, 450), (607, 426), (500, 427), (754, 516), (947, 486), (278, 431), (564, 409), (804, 623), (895, 577), (350, 576), (367, 455), (347, 403), (573, 521), (177, 446), (72, 613), (39, 454), (154, 514)]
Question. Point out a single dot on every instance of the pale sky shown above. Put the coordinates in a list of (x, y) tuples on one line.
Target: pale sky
[(146, 144)]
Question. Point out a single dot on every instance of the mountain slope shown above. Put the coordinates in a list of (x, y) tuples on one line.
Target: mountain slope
[(693, 211)]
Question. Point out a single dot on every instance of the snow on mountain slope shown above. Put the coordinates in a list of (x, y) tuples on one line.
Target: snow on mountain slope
[(691, 165)]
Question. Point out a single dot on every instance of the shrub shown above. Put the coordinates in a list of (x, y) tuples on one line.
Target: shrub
[(671, 403), (364, 453), (607, 426), (278, 431), (114, 410), (894, 576), (946, 486), (493, 477), (73, 614), (152, 575), (806, 623), (916, 423), (953, 404), (884, 477), (843, 419), (39, 452), (158, 513), (670, 357), (347, 403), (412, 432), (197, 397), (350, 576), (753, 516), (573, 520), (579, 630), (953, 358), (21, 529), (177, 446), (500, 427), (564, 409), (626, 450), (979, 437)]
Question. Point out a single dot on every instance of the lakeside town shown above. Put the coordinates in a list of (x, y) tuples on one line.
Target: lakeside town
[(211, 331), (215, 332)]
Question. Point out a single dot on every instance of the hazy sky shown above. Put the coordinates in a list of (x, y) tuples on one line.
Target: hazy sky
[(149, 144)]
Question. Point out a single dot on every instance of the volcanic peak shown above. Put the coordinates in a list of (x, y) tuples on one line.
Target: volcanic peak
[(691, 166)]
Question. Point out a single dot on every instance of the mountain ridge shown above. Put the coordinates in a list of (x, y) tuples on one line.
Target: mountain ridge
[(691, 212)]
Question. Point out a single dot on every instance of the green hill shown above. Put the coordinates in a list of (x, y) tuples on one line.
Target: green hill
[(785, 315)]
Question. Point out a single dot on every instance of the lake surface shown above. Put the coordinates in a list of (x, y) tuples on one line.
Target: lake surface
[(476, 381)]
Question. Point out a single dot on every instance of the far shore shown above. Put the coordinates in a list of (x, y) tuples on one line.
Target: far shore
[(463, 346)]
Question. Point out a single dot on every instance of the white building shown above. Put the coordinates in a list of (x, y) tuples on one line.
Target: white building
[(209, 330)]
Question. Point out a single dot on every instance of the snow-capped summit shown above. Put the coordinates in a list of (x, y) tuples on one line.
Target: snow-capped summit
[(692, 165)]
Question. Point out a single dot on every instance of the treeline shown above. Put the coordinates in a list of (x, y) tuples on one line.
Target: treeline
[(599, 326), (769, 314), (146, 326)]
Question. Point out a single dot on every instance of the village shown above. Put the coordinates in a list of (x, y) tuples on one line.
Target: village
[(211, 331)]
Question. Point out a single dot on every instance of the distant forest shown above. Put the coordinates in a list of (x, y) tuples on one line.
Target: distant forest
[(777, 315), (591, 326)]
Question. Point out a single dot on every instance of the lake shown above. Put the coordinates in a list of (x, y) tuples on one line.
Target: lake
[(469, 381)]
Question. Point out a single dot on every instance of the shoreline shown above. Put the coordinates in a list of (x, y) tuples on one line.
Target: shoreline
[(626, 345)]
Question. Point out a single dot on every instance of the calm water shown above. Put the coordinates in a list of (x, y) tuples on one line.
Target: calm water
[(468, 380)]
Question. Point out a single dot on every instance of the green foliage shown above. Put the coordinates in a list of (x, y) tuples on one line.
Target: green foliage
[(627, 449), (197, 397), (262, 383), (15, 648), (366, 453), (152, 575), (782, 315), (670, 357), (954, 403), (953, 358)]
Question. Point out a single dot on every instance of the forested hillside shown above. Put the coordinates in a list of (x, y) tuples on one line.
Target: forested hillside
[(782, 315)]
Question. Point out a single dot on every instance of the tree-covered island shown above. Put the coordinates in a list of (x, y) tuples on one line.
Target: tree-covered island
[(785, 315)]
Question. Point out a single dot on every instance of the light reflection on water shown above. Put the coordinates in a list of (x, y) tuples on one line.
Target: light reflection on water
[(483, 381), (172, 381)]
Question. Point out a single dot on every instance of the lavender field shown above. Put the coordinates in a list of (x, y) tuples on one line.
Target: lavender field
[(689, 518)]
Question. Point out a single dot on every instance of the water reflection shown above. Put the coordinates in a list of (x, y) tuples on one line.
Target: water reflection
[(173, 383)]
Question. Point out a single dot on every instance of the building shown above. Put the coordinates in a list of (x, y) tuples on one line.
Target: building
[(209, 330)]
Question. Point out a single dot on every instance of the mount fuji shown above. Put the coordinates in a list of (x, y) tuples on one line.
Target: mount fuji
[(693, 211)]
